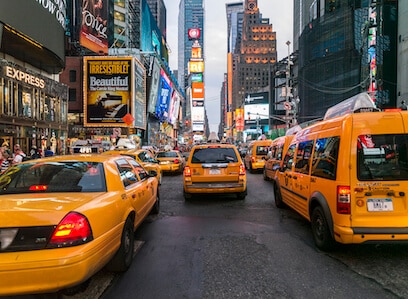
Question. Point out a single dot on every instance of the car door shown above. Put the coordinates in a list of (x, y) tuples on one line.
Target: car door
[(284, 175)]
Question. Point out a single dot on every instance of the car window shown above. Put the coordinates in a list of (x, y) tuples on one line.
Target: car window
[(261, 150), (288, 160), (139, 169), (70, 176), (303, 155), (214, 155), (324, 162), (382, 157), (167, 155), (127, 173)]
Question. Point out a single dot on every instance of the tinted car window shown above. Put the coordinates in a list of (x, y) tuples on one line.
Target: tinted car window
[(303, 154), (288, 160), (261, 150), (214, 155), (325, 157), (139, 169), (54, 177), (167, 155), (382, 157)]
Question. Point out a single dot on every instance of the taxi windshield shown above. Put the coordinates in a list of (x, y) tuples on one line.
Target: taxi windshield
[(70, 176), (382, 157)]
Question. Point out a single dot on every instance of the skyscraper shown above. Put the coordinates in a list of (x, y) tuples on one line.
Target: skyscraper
[(191, 16)]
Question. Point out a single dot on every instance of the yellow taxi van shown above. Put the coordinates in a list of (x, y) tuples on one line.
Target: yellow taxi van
[(348, 174), (275, 155), (255, 157)]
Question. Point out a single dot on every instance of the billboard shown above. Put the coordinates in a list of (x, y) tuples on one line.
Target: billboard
[(163, 101), (174, 107), (256, 108), (93, 33), (114, 87), (196, 66), (197, 90), (194, 33)]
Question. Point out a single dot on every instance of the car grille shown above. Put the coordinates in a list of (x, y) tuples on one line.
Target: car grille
[(25, 238)]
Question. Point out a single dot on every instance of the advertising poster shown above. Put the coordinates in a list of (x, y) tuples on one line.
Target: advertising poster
[(239, 119), (94, 29), (107, 90), (154, 76), (163, 101), (174, 107)]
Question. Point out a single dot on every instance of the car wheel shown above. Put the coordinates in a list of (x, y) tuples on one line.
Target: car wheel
[(320, 229), (242, 195), (278, 197), (187, 196), (265, 177), (124, 256), (156, 207)]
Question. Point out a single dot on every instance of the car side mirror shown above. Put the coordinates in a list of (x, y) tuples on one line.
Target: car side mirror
[(152, 173)]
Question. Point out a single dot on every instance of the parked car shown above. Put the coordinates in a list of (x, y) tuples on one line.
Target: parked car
[(143, 157), (171, 161), (64, 218), (214, 168)]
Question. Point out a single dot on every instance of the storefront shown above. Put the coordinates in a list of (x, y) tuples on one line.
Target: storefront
[(33, 109)]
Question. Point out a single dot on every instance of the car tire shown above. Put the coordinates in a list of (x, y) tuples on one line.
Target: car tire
[(242, 195), (278, 197), (124, 256), (265, 177), (187, 196), (156, 207), (320, 229)]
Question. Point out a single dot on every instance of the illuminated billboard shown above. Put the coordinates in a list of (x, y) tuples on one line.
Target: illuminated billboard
[(114, 92), (93, 34), (194, 33), (256, 108), (197, 77), (163, 101), (197, 90), (196, 66)]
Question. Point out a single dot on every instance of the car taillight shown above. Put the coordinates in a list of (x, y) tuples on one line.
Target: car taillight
[(242, 169), (73, 230), (38, 188), (187, 171), (343, 200), (253, 159), (176, 161)]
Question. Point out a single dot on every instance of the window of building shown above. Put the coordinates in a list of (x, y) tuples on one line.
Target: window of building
[(72, 95), (72, 75)]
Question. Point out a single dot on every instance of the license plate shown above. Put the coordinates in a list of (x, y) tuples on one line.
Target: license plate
[(215, 171), (379, 205)]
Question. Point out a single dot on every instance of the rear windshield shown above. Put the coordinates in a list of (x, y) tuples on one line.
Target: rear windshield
[(382, 157), (167, 155), (72, 176), (214, 155), (262, 150)]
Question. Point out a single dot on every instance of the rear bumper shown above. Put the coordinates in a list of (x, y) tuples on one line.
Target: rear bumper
[(356, 235), (222, 187)]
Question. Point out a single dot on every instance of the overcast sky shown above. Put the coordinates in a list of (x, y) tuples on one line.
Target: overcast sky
[(280, 14)]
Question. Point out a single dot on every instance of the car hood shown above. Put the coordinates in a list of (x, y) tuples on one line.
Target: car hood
[(41, 209)]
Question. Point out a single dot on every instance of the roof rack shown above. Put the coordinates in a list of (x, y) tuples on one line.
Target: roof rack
[(361, 102)]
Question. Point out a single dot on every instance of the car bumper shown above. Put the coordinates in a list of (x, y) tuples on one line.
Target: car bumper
[(170, 167), (258, 165), (223, 187), (51, 270)]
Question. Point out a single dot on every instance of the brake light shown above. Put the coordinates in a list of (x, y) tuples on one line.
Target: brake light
[(187, 171), (73, 230), (176, 161), (343, 200), (38, 188), (242, 169), (253, 159), (392, 110)]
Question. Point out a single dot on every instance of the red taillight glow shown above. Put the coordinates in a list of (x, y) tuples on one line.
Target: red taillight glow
[(73, 230), (253, 159), (343, 200), (176, 161), (38, 188), (242, 169), (187, 171)]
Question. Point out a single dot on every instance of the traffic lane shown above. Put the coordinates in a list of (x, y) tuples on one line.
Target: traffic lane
[(206, 257)]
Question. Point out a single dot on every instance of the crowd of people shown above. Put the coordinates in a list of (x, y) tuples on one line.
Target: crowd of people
[(8, 158)]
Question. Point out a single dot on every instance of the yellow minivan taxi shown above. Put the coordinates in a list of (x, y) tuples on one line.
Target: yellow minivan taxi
[(255, 157), (348, 175), (275, 156)]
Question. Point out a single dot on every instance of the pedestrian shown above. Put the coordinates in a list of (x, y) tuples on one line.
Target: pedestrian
[(48, 152), (19, 155), (34, 153), (4, 161)]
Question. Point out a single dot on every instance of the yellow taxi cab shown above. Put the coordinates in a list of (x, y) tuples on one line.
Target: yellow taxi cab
[(171, 161), (256, 155), (275, 155), (142, 156), (64, 218), (214, 168), (348, 175)]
